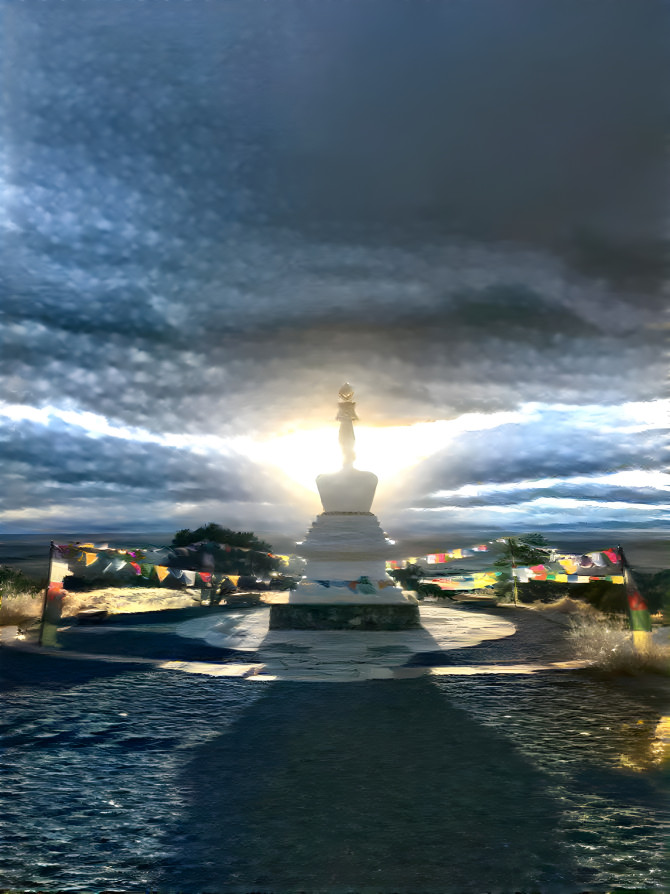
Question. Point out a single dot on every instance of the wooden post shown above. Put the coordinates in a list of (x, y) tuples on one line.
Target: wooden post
[(514, 583), (52, 548)]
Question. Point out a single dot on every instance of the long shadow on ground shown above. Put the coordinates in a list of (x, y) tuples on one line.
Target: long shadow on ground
[(374, 786), (19, 669), (113, 637), (537, 639)]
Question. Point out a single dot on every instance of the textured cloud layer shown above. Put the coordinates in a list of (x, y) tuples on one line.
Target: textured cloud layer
[(215, 213)]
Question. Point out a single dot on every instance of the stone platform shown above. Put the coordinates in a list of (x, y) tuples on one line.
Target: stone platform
[(344, 616)]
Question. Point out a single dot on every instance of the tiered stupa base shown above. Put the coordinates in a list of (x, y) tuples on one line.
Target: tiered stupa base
[(346, 586), (341, 548), (344, 616)]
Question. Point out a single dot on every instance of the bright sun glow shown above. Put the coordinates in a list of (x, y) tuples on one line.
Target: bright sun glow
[(305, 454), (386, 451)]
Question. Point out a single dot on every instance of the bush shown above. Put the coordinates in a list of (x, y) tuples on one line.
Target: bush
[(608, 644), (19, 596)]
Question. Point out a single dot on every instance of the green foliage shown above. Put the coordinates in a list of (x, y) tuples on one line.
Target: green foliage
[(214, 533), (528, 549), (655, 588), (409, 578), (13, 580), (434, 590), (246, 554)]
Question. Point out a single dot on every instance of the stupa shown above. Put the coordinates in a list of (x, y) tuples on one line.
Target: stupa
[(345, 585)]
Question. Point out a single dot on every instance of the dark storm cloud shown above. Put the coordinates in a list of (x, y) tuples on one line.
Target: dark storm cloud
[(516, 120), (47, 465), (561, 490), (555, 447), (214, 213), (263, 327)]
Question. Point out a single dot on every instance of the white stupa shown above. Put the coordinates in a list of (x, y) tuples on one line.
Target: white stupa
[(345, 584)]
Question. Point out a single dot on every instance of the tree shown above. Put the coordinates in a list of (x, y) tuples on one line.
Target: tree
[(527, 549), (214, 533), (239, 552)]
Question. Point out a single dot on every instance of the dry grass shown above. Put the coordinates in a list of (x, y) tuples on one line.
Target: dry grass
[(566, 605), (608, 644), (20, 608)]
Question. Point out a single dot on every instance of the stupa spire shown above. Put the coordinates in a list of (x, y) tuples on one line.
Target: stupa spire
[(346, 416)]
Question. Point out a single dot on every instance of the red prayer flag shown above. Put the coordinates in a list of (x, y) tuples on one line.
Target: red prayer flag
[(640, 619)]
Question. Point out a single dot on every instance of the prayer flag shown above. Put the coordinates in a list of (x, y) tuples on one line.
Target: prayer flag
[(366, 586), (569, 564), (161, 572), (612, 555), (640, 619), (597, 559)]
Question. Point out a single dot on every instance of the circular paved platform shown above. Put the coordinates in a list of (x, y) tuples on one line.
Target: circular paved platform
[(340, 655), (240, 644)]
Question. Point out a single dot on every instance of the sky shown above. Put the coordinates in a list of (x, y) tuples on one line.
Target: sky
[(215, 213)]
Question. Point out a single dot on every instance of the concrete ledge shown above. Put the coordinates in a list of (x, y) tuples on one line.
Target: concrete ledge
[(294, 616)]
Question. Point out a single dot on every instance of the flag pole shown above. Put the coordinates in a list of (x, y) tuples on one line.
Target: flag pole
[(52, 547), (638, 612), (515, 590)]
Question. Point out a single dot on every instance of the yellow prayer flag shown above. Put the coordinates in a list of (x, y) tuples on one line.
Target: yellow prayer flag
[(161, 572), (617, 578), (90, 558), (562, 577), (233, 578), (569, 565)]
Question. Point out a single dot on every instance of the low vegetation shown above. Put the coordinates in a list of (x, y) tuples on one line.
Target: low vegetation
[(244, 554), (20, 596), (607, 643)]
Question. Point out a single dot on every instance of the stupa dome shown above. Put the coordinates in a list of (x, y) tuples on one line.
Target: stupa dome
[(349, 490)]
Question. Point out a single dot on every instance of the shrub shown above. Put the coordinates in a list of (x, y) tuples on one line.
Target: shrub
[(19, 596), (608, 644)]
